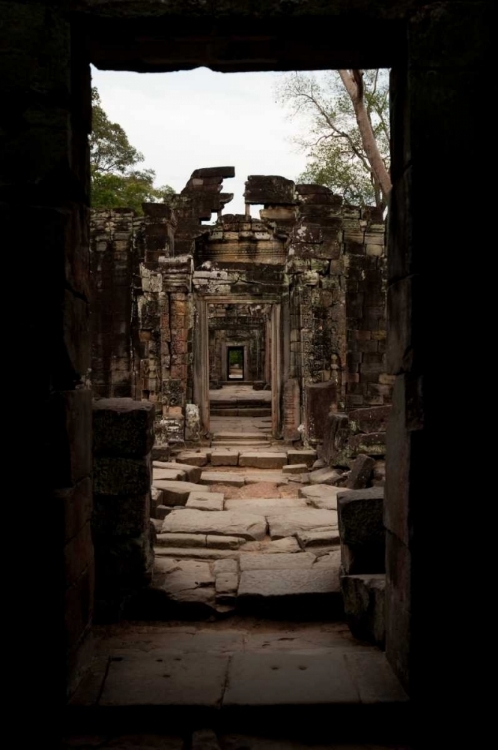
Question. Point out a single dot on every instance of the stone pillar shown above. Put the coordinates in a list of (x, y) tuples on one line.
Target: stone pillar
[(44, 173), (438, 165), (123, 435)]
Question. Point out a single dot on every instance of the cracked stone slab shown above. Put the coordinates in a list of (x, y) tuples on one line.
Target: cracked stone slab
[(177, 493), (294, 521), (262, 561), (195, 553), (222, 477), (224, 542), (278, 546), (321, 496), (205, 500), (229, 523), (258, 477)]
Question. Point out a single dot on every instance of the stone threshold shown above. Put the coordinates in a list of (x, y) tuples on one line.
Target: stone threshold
[(333, 693)]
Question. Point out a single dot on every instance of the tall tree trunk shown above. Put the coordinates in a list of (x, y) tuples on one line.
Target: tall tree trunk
[(353, 82)]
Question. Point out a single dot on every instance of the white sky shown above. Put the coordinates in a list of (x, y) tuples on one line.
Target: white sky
[(191, 119)]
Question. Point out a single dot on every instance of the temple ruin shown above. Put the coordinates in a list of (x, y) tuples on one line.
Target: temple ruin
[(68, 350)]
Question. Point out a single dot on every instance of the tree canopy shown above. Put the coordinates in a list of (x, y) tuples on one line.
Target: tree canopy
[(117, 182), (345, 131)]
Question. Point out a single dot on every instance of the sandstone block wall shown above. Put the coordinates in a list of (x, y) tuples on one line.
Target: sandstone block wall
[(123, 435)]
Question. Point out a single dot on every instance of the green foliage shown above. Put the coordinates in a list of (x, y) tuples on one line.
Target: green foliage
[(330, 136), (116, 181)]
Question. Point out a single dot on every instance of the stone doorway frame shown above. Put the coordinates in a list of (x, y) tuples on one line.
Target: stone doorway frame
[(200, 366), (226, 368)]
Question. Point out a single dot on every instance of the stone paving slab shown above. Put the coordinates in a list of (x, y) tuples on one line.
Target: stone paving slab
[(222, 477), (261, 561), (195, 553), (321, 496), (229, 523), (236, 436), (289, 679), (177, 493), (206, 500), (286, 584), (294, 521), (138, 679), (263, 460), (264, 505)]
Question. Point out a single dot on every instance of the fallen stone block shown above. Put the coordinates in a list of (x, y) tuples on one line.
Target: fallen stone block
[(294, 469), (318, 538), (193, 473), (263, 460), (156, 498), (324, 476), (322, 496), (180, 540), (228, 523), (305, 456), (295, 521), (222, 477), (160, 452), (193, 459), (364, 597), (205, 500), (177, 493), (361, 471), (162, 511)]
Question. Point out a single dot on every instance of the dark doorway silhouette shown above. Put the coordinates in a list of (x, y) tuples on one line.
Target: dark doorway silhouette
[(235, 363)]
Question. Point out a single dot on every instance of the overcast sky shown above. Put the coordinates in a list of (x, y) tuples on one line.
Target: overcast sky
[(191, 119)]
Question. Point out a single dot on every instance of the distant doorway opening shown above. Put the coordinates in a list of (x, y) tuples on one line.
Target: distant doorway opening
[(235, 363)]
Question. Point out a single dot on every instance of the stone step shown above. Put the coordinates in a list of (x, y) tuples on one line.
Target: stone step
[(341, 695), (263, 460), (264, 505), (240, 412), (240, 444), (222, 477), (235, 436), (291, 522), (279, 592)]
